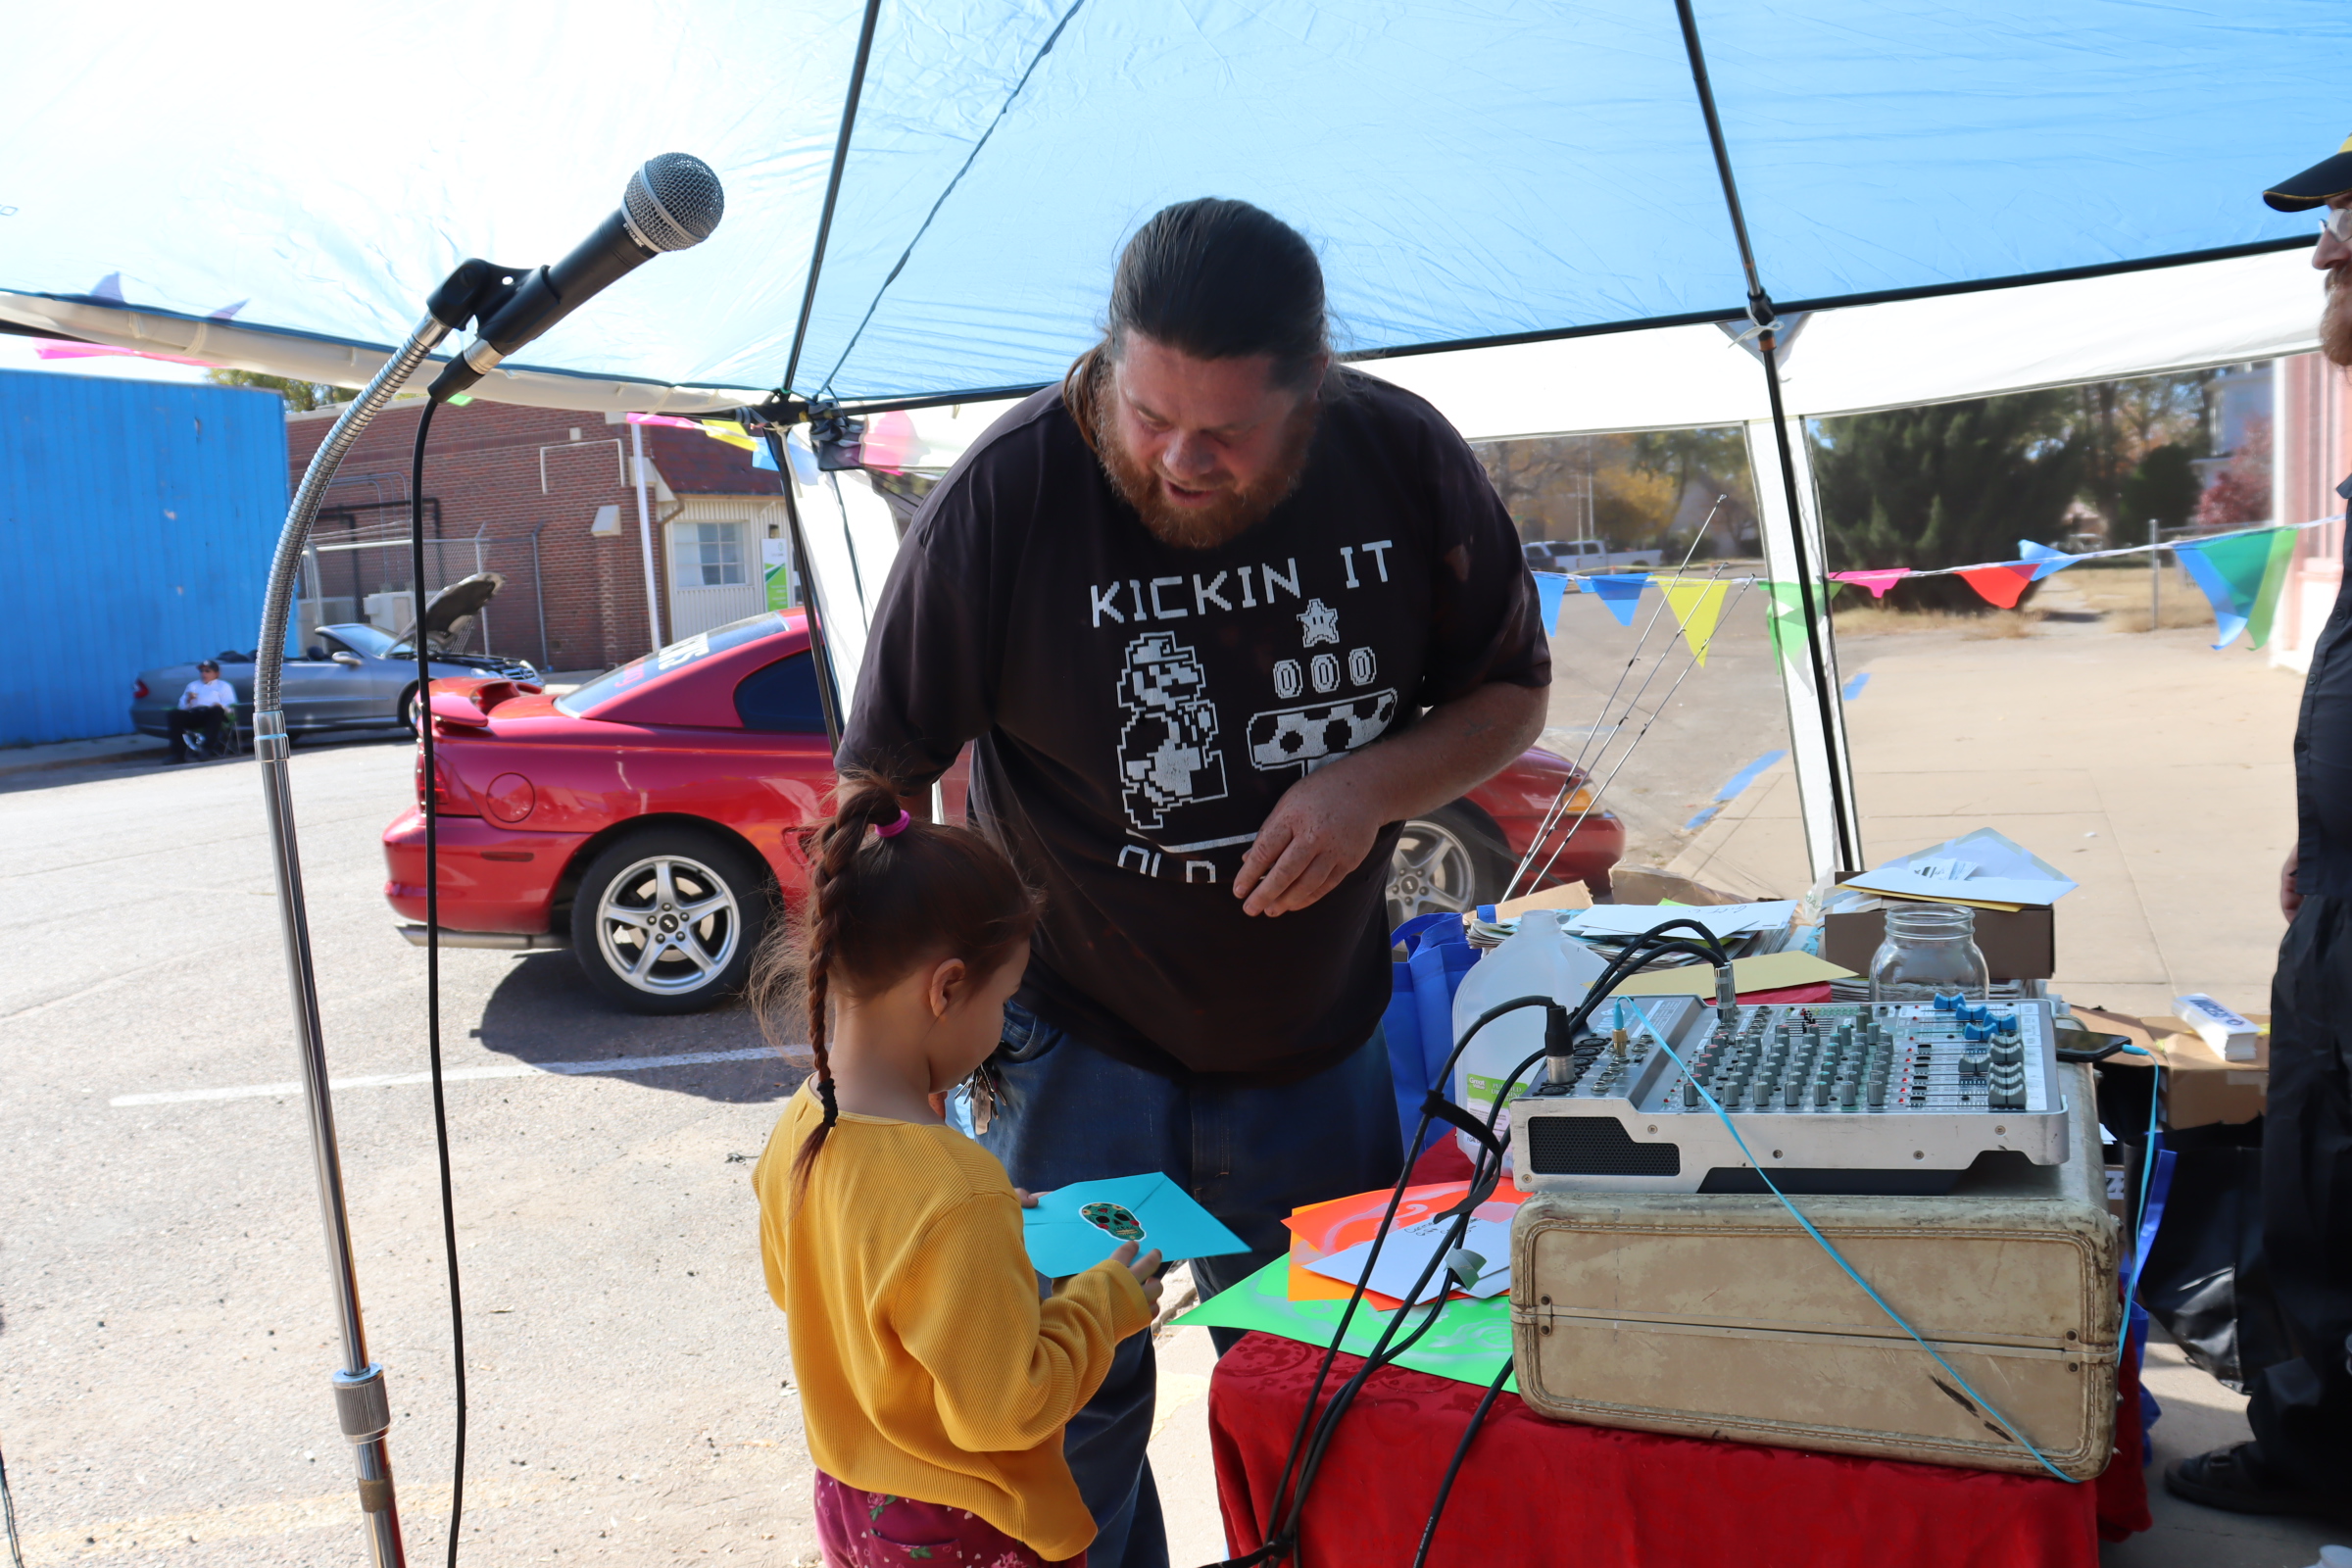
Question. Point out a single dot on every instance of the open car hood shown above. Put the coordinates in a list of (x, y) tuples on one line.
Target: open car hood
[(460, 600)]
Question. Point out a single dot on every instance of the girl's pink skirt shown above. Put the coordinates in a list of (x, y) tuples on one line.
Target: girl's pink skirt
[(874, 1530)]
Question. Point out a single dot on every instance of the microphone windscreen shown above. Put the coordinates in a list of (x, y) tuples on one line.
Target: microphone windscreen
[(673, 202)]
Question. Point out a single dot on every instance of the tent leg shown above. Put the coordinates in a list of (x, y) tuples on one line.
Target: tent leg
[(1825, 779)]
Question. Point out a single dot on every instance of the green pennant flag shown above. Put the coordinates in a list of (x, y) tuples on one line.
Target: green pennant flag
[(2242, 577), (1784, 616)]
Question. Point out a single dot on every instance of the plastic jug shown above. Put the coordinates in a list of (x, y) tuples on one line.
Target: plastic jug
[(1539, 959)]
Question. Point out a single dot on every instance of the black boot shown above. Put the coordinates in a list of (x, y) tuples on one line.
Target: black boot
[(2235, 1479)]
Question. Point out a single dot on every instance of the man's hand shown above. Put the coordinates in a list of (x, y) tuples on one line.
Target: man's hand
[(2290, 900), (1145, 1270), (1325, 824), (1319, 831)]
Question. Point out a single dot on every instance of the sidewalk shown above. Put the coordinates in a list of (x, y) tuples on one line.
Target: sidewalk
[(2151, 769), (105, 748)]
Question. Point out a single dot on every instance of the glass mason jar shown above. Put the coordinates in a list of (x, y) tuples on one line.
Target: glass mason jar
[(1929, 950)]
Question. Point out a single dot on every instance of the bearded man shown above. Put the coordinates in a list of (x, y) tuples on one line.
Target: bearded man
[(2301, 1461), (1220, 616)]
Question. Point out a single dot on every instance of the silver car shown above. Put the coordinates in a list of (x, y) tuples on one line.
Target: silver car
[(349, 678)]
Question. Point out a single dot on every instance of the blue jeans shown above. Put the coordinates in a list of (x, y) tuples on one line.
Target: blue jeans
[(1250, 1156)]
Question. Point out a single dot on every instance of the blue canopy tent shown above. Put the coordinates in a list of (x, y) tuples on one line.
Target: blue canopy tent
[(1476, 175)]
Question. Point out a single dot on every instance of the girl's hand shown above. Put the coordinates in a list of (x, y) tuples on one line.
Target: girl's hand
[(1026, 1198), (1145, 1270)]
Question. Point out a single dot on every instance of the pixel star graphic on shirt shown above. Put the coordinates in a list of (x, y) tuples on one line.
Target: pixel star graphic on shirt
[(1320, 621), (1165, 755)]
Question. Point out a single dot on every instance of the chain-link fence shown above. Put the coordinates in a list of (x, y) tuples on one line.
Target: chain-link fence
[(360, 568)]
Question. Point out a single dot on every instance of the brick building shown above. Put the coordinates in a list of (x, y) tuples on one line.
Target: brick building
[(2311, 453), (546, 498)]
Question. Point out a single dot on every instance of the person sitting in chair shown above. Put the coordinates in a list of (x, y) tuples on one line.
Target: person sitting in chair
[(208, 705)]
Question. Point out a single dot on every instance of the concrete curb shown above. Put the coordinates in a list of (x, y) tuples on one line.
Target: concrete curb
[(87, 754)]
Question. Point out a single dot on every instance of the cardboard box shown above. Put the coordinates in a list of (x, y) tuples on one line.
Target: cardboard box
[(2200, 1089), (2018, 946)]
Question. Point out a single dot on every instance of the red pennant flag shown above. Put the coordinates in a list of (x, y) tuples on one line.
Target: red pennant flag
[(2001, 586)]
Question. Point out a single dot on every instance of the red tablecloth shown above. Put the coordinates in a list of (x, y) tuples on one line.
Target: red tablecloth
[(1544, 1491)]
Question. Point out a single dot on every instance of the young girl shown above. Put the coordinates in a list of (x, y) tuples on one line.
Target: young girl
[(934, 1380)]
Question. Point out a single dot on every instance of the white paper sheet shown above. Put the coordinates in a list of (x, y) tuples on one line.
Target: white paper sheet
[(1406, 1253), (2003, 872)]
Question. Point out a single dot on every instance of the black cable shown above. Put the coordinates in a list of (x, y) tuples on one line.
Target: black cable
[(1281, 1542), (430, 783), (841, 157), (7, 1511), (1461, 1452)]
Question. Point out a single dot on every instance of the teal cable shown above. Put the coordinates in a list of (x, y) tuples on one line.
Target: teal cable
[(1838, 1258)]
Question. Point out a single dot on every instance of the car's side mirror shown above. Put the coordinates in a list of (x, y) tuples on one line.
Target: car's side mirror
[(348, 661)]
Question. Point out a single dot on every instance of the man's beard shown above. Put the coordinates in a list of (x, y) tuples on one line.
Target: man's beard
[(1233, 513), (2336, 316)]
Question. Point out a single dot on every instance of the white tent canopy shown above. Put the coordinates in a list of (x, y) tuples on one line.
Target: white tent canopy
[(1848, 361)]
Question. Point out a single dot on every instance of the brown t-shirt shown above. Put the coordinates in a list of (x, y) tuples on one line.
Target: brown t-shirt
[(1139, 708)]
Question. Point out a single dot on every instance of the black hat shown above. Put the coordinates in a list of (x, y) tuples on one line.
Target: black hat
[(2317, 185)]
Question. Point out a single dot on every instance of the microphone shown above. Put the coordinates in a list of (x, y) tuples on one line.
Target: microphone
[(671, 202)]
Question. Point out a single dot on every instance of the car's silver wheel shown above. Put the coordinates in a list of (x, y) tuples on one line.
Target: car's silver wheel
[(1434, 869), (668, 926)]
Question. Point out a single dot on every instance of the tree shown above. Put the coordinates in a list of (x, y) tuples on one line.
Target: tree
[(2164, 487), (301, 396), (1946, 485), (2242, 492), (2119, 424)]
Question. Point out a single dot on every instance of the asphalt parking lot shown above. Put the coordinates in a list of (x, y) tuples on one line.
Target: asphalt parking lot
[(165, 1325)]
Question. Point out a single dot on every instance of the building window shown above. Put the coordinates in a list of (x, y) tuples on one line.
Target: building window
[(710, 556)]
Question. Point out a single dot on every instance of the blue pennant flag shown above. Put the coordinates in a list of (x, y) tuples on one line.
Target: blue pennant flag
[(1550, 586), (1620, 593), (2042, 558)]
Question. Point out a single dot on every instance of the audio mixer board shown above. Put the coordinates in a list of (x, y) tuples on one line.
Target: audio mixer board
[(1838, 1097)]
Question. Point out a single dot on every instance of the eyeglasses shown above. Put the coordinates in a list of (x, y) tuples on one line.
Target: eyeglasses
[(2338, 224)]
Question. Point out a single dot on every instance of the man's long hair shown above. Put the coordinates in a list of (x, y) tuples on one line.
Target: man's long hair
[(1214, 279)]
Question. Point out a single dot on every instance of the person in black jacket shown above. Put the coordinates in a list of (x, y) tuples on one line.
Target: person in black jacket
[(2300, 1460)]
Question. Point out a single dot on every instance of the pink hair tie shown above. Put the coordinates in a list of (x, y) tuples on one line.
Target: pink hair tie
[(895, 829)]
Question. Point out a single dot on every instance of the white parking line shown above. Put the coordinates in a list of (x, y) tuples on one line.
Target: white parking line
[(690, 1059)]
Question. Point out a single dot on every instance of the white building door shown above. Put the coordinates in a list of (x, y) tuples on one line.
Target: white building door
[(714, 573)]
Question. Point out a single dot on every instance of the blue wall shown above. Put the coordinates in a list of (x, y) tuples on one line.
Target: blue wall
[(137, 520)]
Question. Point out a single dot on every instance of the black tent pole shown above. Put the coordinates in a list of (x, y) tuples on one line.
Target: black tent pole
[(1760, 312), (830, 695)]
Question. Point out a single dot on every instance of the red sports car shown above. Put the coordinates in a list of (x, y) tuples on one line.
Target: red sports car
[(649, 819)]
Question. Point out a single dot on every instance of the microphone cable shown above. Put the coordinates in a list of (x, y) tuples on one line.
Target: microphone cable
[(427, 793)]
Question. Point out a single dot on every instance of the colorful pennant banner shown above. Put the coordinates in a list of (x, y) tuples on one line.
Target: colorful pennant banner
[(2241, 574)]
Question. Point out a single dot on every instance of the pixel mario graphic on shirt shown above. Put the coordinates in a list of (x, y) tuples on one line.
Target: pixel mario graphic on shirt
[(1165, 754)]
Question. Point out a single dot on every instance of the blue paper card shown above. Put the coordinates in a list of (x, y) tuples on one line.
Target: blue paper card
[(1075, 1226)]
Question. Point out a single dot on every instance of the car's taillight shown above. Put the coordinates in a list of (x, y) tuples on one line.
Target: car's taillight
[(442, 799), (138, 690)]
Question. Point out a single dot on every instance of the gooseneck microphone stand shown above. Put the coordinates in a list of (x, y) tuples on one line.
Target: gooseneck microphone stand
[(362, 1406)]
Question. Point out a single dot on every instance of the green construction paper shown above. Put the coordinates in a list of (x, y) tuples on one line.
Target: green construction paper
[(1471, 1343)]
